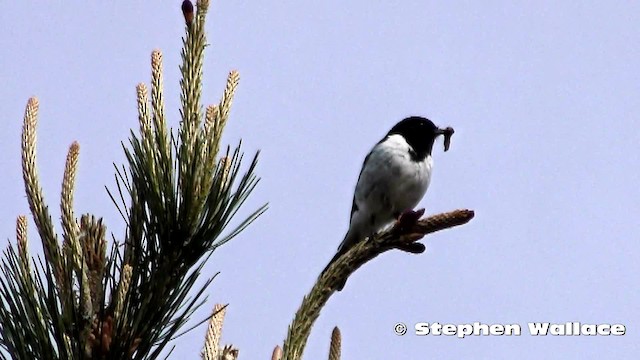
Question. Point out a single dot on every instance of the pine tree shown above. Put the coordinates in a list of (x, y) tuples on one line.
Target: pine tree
[(177, 193)]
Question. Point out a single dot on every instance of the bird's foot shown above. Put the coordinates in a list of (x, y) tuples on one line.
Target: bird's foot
[(414, 248), (407, 220)]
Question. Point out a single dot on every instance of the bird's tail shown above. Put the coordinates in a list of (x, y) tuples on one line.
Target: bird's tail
[(350, 239)]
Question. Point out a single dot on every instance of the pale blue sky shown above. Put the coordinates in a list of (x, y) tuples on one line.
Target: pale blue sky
[(544, 99)]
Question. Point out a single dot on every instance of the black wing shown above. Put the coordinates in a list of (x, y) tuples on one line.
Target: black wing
[(354, 206)]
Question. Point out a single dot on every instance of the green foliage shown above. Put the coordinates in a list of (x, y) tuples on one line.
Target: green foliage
[(177, 197)]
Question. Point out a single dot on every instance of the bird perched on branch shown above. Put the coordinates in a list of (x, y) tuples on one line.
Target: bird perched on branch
[(395, 176)]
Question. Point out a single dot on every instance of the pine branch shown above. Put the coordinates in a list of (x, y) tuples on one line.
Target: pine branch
[(34, 192), (277, 353), (212, 349), (336, 274), (182, 197), (177, 196), (336, 344)]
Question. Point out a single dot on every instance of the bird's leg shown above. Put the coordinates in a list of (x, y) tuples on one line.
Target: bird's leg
[(407, 220), (404, 223)]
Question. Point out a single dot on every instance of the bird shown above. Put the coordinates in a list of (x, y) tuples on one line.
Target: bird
[(394, 177)]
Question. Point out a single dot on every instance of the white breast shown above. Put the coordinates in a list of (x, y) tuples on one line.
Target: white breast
[(390, 183), (408, 180)]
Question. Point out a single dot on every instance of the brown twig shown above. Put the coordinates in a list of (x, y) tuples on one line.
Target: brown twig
[(347, 264), (336, 344)]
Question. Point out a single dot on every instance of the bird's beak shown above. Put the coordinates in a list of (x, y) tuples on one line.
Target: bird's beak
[(447, 132)]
